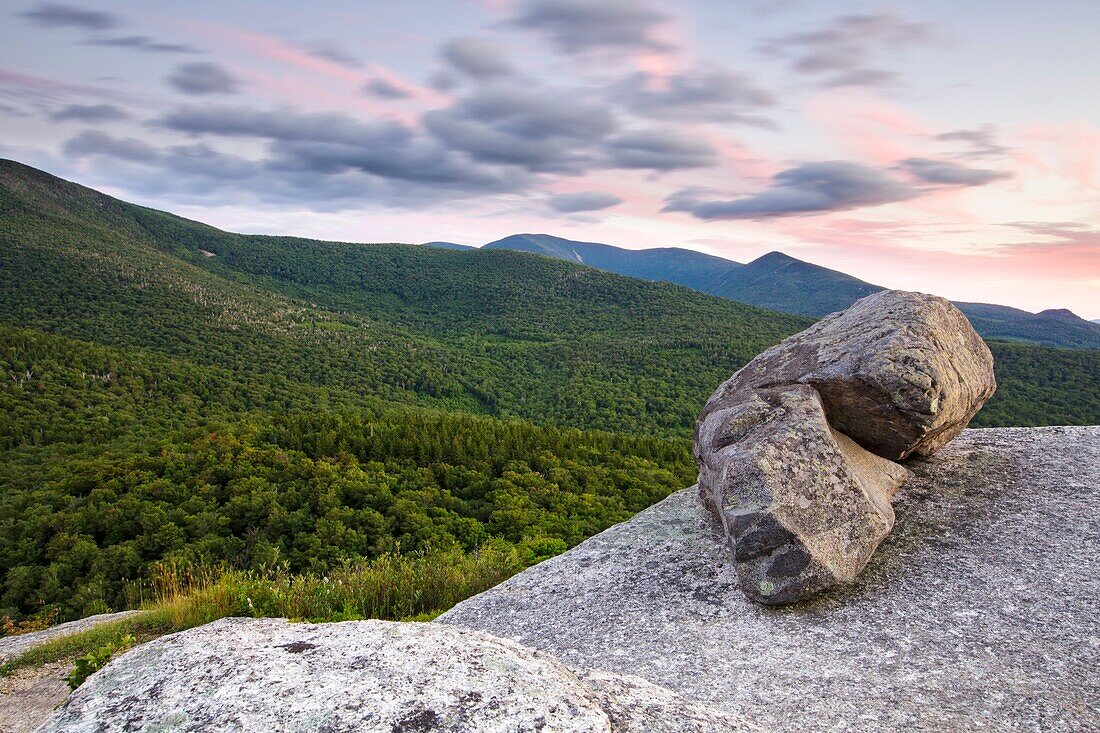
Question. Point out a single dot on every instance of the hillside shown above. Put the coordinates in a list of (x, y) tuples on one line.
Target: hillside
[(686, 267), (494, 332), (786, 284), (181, 397), (497, 332)]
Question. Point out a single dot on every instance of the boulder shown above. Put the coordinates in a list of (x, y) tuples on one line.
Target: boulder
[(802, 507), (793, 448), (267, 674), (898, 372)]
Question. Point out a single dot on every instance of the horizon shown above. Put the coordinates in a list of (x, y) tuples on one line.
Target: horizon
[(946, 150)]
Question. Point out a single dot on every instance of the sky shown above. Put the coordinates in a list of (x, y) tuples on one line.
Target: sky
[(947, 147)]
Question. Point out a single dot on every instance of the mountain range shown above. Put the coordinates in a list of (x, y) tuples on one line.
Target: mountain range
[(783, 283), (291, 321)]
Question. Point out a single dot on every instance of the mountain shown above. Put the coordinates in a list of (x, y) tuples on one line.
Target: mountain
[(1054, 327), (497, 332), (686, 267), (492, 331), (783, 283)]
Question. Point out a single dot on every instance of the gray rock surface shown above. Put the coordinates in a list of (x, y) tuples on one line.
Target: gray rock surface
[(898, 372), (271, 675), (29, 695), (14, 646), (978, 612), (802, 507)]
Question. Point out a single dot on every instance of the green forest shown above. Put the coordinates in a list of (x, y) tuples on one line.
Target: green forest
[(177, 396)]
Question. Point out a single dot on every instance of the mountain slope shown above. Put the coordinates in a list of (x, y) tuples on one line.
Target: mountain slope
[(499, 332), (783, 283), (686, 267), (1054, 327)]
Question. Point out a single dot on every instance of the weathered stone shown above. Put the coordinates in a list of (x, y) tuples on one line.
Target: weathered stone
[(898, 372), (268, 674), (802, 507), (978, 613), (801, 504)]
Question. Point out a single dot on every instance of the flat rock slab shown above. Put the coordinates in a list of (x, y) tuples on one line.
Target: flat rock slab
[(978, 613), (15, 646), (261, 675)]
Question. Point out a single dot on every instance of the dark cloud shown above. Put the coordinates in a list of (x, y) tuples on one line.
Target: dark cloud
[(476, 57), (329, 51), (385, 90), (981, 142), (702, 94), (203, 78), (522, 126), (89, 113), (577, 26), (661, 150), (841, 53), (571, 203), (441, 81), (327, 144), (141, 43), (809, 188), (283, 123), (94, 142), (950, 174), (56, 15)]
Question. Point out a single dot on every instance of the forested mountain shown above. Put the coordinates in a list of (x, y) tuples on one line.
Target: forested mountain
[(175, 393), (695, 270), (783, 283), (790, 285)]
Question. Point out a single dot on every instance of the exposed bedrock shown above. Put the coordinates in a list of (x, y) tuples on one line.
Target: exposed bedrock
[(264, 675), (796, 450)]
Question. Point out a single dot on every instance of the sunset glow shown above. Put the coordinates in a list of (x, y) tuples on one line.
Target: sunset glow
[(933, 147)]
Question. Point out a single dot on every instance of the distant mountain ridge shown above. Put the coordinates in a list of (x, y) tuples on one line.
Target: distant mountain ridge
[(783, 283), (692, 269)]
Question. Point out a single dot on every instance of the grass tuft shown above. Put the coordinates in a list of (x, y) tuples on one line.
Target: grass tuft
[(395, 587)]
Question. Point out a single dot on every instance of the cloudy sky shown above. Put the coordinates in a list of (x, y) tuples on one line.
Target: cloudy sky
[(944, 146)]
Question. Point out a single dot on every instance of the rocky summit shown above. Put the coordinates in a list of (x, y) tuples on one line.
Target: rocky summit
[(270, 675), (978, 612), (794, 449)]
